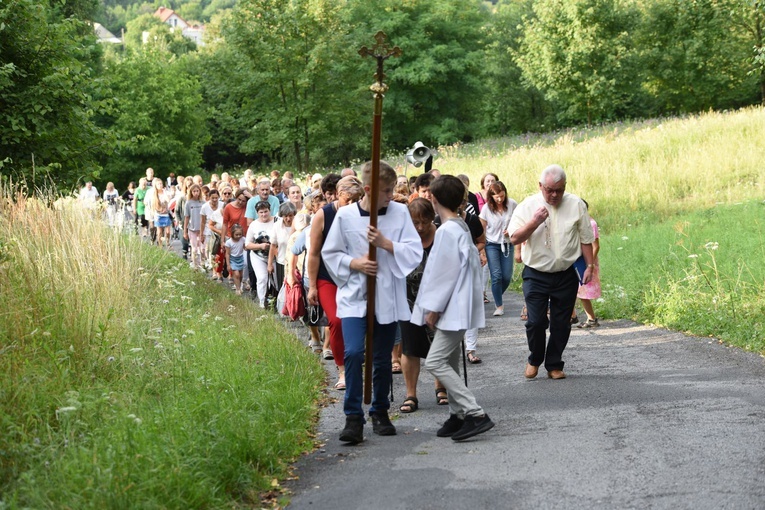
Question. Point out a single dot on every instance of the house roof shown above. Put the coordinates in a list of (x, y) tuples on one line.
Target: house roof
[(164, 13), (104, 35)]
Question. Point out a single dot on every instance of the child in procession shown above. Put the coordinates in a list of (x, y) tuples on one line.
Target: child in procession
[(451, 301), (346, 257), (235, 255)]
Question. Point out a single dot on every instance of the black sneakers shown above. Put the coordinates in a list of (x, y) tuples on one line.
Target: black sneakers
[(381, 424), (354, 429), (473, 426), (452, 425)]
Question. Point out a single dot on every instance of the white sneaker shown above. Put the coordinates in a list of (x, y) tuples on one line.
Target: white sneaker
[(499, 311)]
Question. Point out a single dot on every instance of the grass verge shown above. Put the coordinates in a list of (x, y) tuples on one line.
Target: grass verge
[(128, 381)]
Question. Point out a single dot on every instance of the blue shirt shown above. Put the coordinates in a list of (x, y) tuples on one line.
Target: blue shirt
[(252, 214)]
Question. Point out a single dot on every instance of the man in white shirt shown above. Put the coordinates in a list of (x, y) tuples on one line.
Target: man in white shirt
[(555, 227), (89, 195)]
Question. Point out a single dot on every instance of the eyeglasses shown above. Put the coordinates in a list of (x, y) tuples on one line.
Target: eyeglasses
[(554, 191), (227, 194)]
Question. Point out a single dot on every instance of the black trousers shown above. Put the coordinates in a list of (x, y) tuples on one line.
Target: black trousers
[(559, 290)]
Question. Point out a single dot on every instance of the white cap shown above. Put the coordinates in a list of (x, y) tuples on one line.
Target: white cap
[(316, 177)]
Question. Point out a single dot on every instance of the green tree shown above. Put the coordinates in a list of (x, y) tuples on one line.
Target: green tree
[(511, 104), (436, 87), (159, 120), (749, 15), (580, 53), (48, 76), (295, 104), (694, 56)]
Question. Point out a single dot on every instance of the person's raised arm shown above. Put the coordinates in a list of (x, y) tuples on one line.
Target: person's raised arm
[(525, 231), (314, 254)]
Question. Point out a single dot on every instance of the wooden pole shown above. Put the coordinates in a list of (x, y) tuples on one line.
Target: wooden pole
[(380, 51)]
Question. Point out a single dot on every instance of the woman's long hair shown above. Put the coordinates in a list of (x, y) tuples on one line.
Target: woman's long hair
[(495, 189)]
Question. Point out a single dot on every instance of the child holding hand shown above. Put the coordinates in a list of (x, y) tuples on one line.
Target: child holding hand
[(451, 301), (235, 255)]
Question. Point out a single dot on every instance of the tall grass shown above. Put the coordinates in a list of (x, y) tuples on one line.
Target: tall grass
[(632, 173), (127, 380)]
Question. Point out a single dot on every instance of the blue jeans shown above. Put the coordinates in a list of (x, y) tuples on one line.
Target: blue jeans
[(354, 334), (500, 268)]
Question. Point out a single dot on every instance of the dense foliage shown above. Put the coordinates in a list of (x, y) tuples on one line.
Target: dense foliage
[(279, 82)]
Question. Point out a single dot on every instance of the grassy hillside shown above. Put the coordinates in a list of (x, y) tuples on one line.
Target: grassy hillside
[(128, 381), (680, 207), (633, 173)]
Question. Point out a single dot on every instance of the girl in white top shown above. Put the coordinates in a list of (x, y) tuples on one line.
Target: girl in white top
[(110, 198), (192, 223), (495, 217)]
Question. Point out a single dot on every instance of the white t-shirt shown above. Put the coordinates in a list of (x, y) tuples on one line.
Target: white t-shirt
[(216, 216), (496, 222), (236, 247), (89, 195), (259, 232), (282, 236), (111, 197)]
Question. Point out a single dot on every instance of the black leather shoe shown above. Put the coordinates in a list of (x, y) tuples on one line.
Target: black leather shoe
[(354, 429), (381, 424), (452, 425), (473, 426)]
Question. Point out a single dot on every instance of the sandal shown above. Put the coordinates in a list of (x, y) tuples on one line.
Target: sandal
[(591, 323), (410, 405), (472, 358), (524, 313), (574, 319), (396, 367), (442, 398), (340, 385)]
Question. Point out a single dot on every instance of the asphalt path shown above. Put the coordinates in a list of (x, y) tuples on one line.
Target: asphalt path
[(647, 418)]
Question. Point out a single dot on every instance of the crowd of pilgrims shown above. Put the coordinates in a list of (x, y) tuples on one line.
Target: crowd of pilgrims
[(255, 233)]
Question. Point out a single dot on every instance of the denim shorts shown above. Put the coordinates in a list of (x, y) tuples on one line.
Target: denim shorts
[(237, 262), (162, 221)]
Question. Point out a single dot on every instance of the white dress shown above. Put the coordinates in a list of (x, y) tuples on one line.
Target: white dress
[(347, 239), (451, 283)]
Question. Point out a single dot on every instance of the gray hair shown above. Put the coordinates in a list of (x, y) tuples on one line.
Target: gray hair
[(286, 209), (555, 172), (265, 181)]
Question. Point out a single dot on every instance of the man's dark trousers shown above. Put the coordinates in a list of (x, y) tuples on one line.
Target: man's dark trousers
[(559, 290)]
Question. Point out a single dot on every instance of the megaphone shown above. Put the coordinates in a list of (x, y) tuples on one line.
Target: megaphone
[(418, 154)]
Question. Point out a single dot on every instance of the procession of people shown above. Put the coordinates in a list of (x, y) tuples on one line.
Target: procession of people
[(439, 248)]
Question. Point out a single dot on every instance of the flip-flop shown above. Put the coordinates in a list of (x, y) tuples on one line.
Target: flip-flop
[(340, 386), (524, 314), (396, 367)]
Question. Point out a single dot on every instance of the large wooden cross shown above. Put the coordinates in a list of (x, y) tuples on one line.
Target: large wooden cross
[(380, 51)]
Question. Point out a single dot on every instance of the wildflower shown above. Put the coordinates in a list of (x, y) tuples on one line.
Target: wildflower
[(693, 256), (625, 238), (620, 248), (231, 308), (189, 331), (711, 245), (110, 359), (46, 333), (165, 301), (218, 318), (64, 410), (136, 349), (185, 298)]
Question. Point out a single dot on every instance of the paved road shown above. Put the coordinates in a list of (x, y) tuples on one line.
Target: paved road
[(647, 418)]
